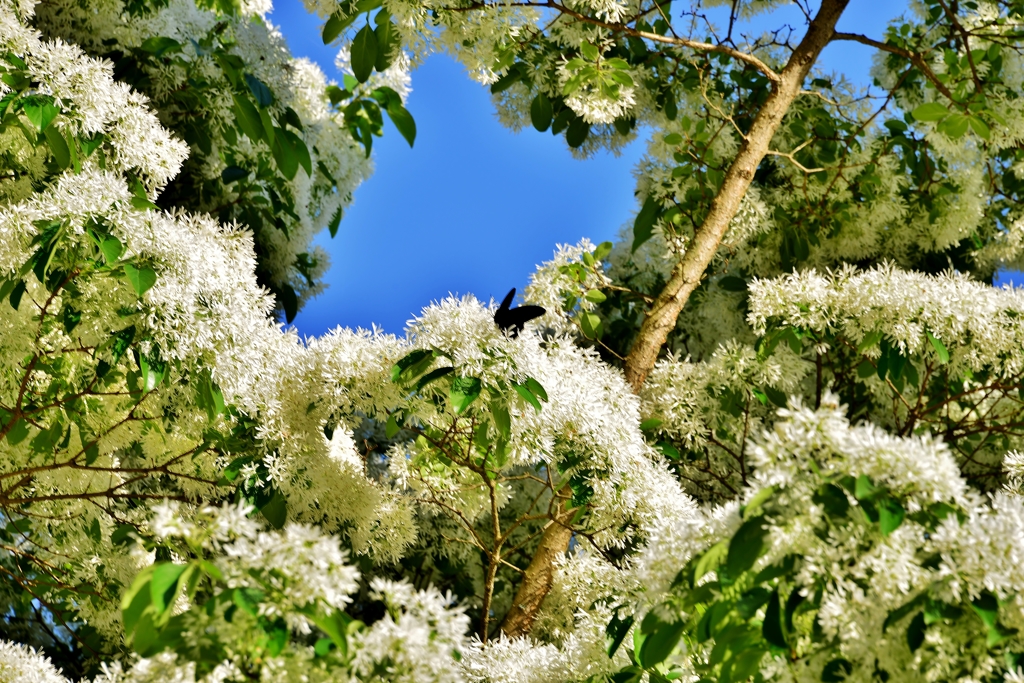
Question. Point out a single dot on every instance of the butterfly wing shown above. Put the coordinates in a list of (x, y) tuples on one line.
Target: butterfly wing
[(507, 301), (512, 320), (525, 314)]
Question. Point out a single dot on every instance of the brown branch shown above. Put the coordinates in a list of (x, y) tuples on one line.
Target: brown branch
[(653, 37), (687, 274), (540, 575), (915, 58), (959, 28)]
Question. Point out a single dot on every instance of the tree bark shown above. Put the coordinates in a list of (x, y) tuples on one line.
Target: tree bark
[(541, 573), (687, 273)]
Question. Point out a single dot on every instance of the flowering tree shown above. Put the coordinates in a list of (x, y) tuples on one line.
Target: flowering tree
[(773, 433)]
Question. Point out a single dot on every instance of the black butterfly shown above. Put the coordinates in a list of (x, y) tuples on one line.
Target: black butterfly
[(512, 320)]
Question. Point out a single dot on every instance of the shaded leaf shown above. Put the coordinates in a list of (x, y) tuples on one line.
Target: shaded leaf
[(364, 53), (164, 584), (141, 279), (932, 111), (464, 391), (541, 112)]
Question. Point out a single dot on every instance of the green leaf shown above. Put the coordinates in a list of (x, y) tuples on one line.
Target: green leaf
[(602, 250), (589, 52), (435, 374), (336, 23), (753, 507), (502, 419), (112, 249), (980, 128), (412, 365), (527, 396), (596, 296), (285, 155), (289, 302), (577, 132), (387, 37), (954, 125), (541, 112), (987, 608), (16, 294), (247, 600), (269, 129), (869, 340), (711, 559), (364, 53), (260, 92), (322, 647), (651, 424), (58, 145), (141, 279), (40, 111), (275, 511), (403, 121), (932, 111), (464, 391), (248, 118), (301, 151), (745, 547), (939, 347), (136, 599), (120, 341), (158, 46), (153, 372), (643, 227), (535, 387), (890, 515), (833, 499), (392, 426), (70, 317), (616, 632), (336, 94), (775, 396), (233, 173), (864, 488), (658, 641), (164, 584), (591, 324), (18, 432), (335, 624)]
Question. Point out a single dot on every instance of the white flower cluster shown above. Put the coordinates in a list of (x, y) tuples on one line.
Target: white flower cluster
[(338, 163), (551, 283), (865, 575), (419, 639), (980, 325), (22, 664)]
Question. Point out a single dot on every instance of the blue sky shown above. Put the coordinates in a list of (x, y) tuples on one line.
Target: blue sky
[(474, 207)]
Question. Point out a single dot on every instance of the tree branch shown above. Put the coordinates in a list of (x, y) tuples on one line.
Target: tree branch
[(687, 274), (915, 58), (540, 575)]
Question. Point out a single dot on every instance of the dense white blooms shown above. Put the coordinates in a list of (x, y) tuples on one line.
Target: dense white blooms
[(138, 361), (22, 664), (905, 307), (419, 639)]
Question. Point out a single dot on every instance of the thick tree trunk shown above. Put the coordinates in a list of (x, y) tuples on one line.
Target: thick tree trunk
[(540, 574), (687, 274)]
